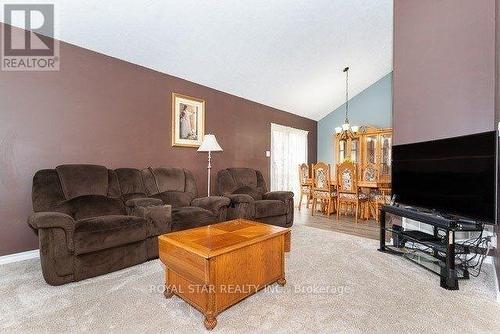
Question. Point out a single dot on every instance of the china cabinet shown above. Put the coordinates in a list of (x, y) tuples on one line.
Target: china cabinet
[(370, 145)]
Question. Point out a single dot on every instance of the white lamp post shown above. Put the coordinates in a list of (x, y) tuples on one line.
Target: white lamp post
[(209, 145)]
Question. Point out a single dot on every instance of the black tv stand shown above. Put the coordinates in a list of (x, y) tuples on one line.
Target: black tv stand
[(436, 253)]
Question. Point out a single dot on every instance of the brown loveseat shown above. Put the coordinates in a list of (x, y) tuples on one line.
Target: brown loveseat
[(247, 190), (91, 220)]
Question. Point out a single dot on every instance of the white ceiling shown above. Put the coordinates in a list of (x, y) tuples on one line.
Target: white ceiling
[(288, 54)]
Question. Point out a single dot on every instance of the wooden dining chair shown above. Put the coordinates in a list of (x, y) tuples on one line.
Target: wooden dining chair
[(348, 193), (370, 173), (383, 198), (322, 188), (305, 184)]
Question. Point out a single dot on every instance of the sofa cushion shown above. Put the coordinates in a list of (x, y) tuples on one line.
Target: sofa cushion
[(89, 206), (175, 198), (255, 193), (130, 181), (191, 216), (169, 178), (244, 176), (126, 197), (98, 233), (47, 190), (80, 180), (269, 208)]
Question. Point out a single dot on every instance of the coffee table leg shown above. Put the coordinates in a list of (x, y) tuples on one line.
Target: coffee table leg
[(210, 321), (288, 237), (281, 281), (167, 292)]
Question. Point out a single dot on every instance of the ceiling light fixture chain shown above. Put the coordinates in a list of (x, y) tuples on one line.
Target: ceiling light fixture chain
[(346, 70)]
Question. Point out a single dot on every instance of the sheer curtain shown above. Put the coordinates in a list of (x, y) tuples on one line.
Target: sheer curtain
[(288, 151)]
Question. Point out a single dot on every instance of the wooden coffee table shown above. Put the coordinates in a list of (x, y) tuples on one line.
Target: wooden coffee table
[(215, 266)]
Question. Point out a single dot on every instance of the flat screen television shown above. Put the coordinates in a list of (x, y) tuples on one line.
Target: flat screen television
[(454, 176)]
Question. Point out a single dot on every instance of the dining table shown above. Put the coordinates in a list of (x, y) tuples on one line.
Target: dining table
[(381, 184), (378, 184)]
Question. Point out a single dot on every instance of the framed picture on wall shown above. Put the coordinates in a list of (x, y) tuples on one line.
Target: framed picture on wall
[(188, 120)]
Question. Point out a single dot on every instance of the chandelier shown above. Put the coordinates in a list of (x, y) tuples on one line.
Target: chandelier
[(346, 131)]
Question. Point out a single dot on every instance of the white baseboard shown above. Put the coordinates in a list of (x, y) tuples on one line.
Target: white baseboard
[(498, 295), (497, 288), (32, 254)]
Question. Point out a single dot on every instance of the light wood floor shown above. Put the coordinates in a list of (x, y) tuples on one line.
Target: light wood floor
[(363, 228)]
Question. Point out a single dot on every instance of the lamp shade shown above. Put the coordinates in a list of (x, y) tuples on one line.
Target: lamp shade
[(209, 144), (338, 129)]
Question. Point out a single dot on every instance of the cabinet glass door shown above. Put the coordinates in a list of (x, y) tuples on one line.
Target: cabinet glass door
[(371, 149), (355, 150), (342, 149), (386, 154)]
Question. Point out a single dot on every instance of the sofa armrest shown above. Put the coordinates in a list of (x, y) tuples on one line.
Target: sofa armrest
[(287, 198), (239, 198), (135, 202), (212, 203), (278, 195), (47, 220)]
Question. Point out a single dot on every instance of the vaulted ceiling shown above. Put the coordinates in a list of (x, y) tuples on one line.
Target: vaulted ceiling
[(288, 54)]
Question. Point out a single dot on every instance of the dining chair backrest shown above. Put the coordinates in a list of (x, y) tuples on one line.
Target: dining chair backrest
[(370, 173), (321, 176), (386, 195), (347, 178), (304, 174)]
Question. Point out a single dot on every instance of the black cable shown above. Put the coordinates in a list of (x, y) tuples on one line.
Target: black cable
[(474, 245)]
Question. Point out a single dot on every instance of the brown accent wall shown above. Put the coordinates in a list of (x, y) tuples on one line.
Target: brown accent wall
[(444, 69), (101, 110)]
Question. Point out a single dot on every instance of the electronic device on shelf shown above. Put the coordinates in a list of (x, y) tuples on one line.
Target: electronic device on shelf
[(458, 222), (420, 236), (449, 177)]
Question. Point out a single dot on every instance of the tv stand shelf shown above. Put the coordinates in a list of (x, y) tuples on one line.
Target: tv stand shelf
[(430, 251), (426, 261)]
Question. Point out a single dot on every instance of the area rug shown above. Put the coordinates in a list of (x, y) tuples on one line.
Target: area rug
[(336, 283)]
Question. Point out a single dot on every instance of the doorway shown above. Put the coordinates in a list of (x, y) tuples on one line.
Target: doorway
[(288, 151)]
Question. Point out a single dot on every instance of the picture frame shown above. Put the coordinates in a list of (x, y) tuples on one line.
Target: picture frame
[(188, 120)]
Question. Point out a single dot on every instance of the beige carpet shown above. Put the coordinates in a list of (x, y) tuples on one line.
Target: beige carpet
[(336, 283)]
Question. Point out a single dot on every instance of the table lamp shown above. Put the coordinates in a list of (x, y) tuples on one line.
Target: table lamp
[(209, 145)]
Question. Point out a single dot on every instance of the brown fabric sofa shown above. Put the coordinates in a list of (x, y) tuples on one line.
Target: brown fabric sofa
[(86, 227), (247, 190), (177, 187)]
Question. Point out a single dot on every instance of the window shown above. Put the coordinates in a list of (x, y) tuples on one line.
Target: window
[(288, 151)]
